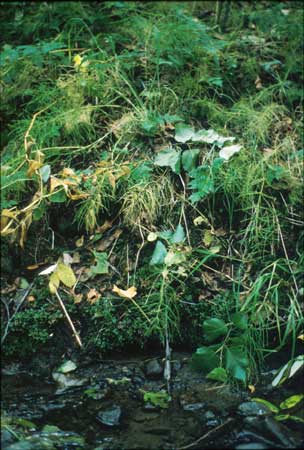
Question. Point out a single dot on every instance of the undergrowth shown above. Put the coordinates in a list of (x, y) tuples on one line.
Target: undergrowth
[(96, 160)]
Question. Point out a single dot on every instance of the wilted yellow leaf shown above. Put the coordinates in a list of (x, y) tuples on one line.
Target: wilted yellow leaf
[(104, 227), (54, 282), (129, 293), (55, 182), (79, 242), (301, 337), (33, 166), (251, 388), (66, 275), (77, 196), (93, 296), (111, 179)]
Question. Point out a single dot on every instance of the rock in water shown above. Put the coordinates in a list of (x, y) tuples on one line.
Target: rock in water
[(110, 417), (153, 369)]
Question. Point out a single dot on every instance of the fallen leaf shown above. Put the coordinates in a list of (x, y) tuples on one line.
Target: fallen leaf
[(78, 298), (30, 298), (66, 275), (106, 242), (152, 237), (258, 83), (129, 293), (79, 242), (251, 388), (93, 295), (104, 227)]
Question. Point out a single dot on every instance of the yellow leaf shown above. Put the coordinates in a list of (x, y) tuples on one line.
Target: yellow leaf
[(54, 182), (54, 282), (66, 275), (77, 196), (93, 296), (77, 61), (301, 337), (79, 242), (104, 227), (129, 293), (111, 179), (251, 388), (33, 166)]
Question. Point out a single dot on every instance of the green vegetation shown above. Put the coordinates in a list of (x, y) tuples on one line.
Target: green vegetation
[(153, 150)]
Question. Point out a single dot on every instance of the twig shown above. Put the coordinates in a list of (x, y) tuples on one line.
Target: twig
[(68, 319), (208, 435), (167, 370), (10, 319), (138, 252)]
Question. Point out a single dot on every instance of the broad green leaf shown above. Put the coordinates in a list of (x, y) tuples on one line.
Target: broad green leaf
[(236, 362), (58, 197), (160, 399), (166, 234), (159, 254), (178, 235), (205, 360), (189, 159), (292, 401), (183, 133), (168, 158), (210, 137), (240, 320), (39, 211), (218, 374), (45, 172), (65, 275), (269, 405), (214, 328), (102, 265)]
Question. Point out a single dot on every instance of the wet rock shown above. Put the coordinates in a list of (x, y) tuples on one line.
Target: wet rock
[(110, 417), (176, 366), (269, 427), (194, 406), (67, 381), (254, 438), (6, 438), (279, 431), (144, 416), (66, 367), (213, 423), (209, 415), (253, 409), (153, 369), (252, 446)]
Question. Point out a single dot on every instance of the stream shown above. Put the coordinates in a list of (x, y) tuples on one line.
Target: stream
[(123, 404)]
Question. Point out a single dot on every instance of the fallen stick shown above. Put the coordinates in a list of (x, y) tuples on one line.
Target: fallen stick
[(77, 337), (210, 434)]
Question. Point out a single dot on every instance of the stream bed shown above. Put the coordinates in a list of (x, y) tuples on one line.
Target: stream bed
[(123, 404)]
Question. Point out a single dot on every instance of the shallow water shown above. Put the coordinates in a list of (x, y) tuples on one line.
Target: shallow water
[(108, 411)]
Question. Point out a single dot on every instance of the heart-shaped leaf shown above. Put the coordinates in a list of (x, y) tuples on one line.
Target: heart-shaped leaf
[(214, 328)]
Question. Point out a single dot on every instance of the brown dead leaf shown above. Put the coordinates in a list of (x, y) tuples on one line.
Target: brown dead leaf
[(104, 227), (129, 293), (106, 242), (93, 296), (258, 83)]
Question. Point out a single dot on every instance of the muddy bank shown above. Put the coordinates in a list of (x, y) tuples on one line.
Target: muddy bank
[(125, 404)]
